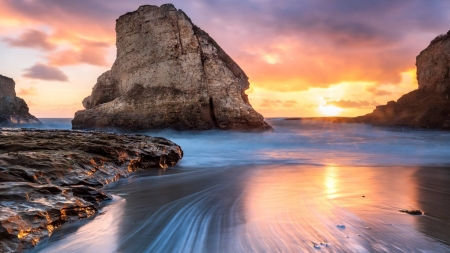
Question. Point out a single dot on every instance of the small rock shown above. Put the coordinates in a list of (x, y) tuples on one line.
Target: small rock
[(412, 212), (340, 226)]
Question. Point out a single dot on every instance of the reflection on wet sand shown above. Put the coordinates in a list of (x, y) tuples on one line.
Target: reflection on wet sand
[(283, 208), (433, 197)]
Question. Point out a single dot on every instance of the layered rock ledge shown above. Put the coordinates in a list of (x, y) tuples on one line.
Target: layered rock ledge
[(13, 110), (168, 73), (50, 177)]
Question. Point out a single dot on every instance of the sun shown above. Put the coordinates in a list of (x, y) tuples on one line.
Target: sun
[(330, 110)]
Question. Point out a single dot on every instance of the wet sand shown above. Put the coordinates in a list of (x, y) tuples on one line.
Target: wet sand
[(273, 208)]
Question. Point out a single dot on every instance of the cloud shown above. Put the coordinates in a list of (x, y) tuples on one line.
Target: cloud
[(320, 43), (32, 91), (267, 103), (31, 39), (290, 103), (82, 32), (270, 103), (89, 52), (351, 104), (44, 72), (286, 46), (378, 92)]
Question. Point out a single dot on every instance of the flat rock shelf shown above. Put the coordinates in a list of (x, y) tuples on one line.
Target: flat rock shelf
[(50, 177)]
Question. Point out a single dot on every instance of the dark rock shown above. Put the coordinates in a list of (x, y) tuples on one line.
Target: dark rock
[(168, 74), (412, 212), (13, 110), (48, 178)]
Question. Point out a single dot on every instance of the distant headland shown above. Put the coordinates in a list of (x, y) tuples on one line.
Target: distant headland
[(13, 110)]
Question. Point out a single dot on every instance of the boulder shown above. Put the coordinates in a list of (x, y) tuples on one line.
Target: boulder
[(168, 73), (13, 110)]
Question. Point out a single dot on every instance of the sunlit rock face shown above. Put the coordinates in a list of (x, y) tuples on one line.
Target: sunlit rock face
[(13, 110), (168, 74), (48, 178), (429, 105)]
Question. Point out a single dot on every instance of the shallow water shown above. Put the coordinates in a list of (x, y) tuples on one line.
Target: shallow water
[(285, 191)]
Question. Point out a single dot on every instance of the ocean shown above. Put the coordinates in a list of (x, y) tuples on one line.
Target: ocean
[(307, 186)]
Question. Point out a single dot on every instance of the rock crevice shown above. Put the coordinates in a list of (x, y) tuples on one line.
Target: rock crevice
[(178, 69)]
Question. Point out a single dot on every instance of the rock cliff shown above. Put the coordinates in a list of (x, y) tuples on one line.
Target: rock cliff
[(13, 110), (168, 74), (48, 178), (429, 105)]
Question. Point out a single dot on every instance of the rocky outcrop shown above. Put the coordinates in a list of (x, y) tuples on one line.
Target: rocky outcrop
[(429, 105), (168, 74), (48, 178), (13, 110)]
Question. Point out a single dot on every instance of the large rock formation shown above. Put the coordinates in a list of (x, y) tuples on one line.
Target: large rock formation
[(429, 105), (48, 178), (13, 110), (168, 74)]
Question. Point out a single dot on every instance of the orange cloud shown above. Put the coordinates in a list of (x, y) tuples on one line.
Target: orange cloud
[(351, 104), (300, 65), (267, 103), (32, 91), (72, 36), (90, 52), (378, 92)]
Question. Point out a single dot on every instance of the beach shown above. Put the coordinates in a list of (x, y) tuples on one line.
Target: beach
[(280, 192)]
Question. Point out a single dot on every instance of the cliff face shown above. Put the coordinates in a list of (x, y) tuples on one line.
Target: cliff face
[(168, 74), (13, 110), (7, 87), (429, 105)]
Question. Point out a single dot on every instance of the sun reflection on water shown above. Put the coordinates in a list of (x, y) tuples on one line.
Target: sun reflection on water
[(330, 182)]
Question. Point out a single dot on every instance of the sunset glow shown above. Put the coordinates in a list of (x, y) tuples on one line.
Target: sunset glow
[(329, 110), (315, 64)]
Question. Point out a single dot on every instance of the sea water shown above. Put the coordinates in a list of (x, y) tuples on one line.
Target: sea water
[(307, 186)]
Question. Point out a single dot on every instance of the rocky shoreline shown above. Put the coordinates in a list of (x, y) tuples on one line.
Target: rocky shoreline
[(50, 177)]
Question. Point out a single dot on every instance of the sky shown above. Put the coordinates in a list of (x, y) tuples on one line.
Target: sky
[(304, 58)]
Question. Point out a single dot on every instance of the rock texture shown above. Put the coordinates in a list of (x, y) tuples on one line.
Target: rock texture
[(168, 74), (48, 178), (13, 110), (429, 105)]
